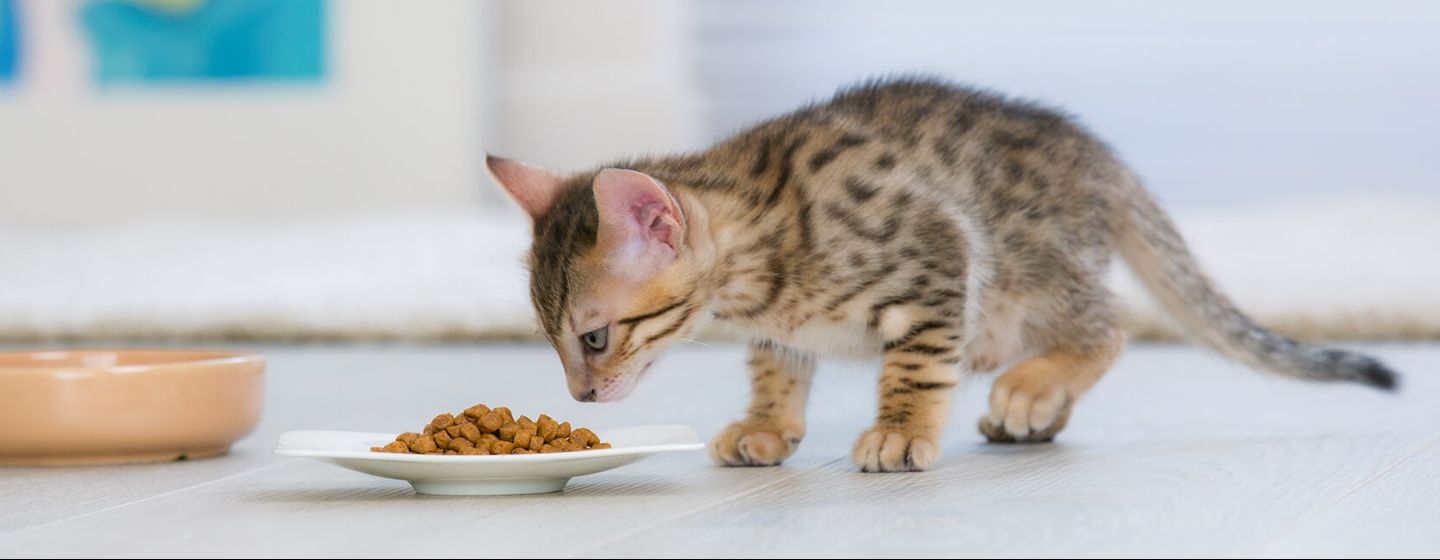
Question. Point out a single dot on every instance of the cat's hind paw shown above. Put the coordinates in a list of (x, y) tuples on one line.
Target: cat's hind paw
[(1026, 409)]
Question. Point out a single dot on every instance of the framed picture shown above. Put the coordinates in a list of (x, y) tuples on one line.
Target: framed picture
[(9, 41), (149, 41)]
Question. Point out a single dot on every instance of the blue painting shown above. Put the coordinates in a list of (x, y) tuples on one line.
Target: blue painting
[(206, 40), (9, 41)]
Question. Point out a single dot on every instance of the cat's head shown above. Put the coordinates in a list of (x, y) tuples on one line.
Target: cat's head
[(614, 269)]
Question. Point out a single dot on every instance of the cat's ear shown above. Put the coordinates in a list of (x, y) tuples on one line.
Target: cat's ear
[(533, 188), (638, 215)]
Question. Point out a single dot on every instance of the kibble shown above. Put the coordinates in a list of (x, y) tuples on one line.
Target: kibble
[(394, 447), (481, 430), (423, 444), (491, 422)]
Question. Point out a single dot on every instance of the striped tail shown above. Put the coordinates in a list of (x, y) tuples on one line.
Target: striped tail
[(1158, 256)]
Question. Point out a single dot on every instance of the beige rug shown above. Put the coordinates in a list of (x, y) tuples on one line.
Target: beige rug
[(1345, 269)]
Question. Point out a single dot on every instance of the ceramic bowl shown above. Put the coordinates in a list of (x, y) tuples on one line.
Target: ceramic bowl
[(125, 406)]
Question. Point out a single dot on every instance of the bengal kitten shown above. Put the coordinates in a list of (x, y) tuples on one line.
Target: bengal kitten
[(946, 229)]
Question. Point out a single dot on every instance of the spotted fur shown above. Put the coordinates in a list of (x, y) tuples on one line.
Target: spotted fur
[(943, 229)]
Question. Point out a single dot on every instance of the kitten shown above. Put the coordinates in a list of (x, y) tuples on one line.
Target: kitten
[(947, 230)]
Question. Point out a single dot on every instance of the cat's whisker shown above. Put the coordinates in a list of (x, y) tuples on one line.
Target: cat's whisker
[(693, 341)]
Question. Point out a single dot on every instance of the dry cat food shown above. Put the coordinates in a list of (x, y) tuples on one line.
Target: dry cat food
[(481, 430)]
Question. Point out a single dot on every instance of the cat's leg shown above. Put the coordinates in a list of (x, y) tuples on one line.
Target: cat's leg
[(922, 368), (1031, 402), (775, 423)]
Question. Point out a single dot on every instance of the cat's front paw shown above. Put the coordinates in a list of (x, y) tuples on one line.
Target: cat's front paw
[(755, 445), (894, 450)]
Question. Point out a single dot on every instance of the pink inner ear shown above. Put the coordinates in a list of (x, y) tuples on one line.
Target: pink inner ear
[(660, 230), (633, 204)]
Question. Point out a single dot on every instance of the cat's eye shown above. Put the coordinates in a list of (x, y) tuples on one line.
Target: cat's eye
[(596, 340)]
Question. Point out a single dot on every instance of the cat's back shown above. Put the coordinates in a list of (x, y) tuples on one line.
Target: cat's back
[(1039, 185), (937, 131), (909, 108), (1002, 155), (914, 111)]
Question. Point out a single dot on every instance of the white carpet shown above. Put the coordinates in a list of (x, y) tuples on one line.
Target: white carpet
[(1339, 269)]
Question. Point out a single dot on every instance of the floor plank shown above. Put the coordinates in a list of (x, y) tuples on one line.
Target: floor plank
[(1094, 499), (1175, 453), (1391, 515)]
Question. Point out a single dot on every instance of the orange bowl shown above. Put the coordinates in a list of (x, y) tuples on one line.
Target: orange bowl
[(125, 406)]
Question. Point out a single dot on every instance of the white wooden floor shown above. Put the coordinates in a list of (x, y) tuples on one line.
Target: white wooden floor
[(1175, 454)]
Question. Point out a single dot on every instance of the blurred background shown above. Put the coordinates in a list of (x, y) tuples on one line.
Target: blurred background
[(297, 170)]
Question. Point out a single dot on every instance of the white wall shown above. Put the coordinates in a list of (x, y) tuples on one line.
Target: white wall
[(398, 123), (588, 82), (1217, 104)]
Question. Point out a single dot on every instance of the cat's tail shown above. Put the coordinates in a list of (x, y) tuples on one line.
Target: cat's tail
[(1155, 251)]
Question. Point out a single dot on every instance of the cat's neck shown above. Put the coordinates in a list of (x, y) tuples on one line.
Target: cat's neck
[(736, 246)]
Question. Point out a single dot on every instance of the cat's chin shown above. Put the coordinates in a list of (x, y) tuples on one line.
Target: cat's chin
[(615, 387)]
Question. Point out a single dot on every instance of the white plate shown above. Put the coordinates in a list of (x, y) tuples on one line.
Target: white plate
[(485, 475)]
